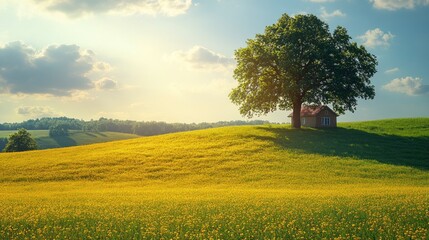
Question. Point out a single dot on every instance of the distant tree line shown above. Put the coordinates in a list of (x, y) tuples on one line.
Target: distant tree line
[(44, 124), (61, 125)]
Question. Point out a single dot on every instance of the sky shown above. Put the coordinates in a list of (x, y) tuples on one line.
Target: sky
[(173, 60)]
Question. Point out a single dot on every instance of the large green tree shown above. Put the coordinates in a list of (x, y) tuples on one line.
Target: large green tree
[(20, 141), (299, 61)]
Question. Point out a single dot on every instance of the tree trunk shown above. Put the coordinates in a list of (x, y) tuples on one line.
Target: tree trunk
[(296, 115)]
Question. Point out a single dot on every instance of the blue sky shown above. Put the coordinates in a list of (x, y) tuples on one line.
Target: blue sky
[(172, 60)]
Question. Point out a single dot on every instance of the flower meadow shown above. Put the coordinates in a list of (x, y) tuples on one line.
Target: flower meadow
[(362, 181), (130, 212)]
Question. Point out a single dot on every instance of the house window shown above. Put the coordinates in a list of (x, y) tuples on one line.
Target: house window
[(326, 121), (303, 121)]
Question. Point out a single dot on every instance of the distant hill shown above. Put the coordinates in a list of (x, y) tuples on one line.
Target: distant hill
[(142, 128), (75, 138), (102, 130)]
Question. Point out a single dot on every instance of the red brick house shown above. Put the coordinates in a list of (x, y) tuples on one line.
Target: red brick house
[(317, 117)]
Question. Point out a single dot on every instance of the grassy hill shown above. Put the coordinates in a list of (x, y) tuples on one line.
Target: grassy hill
[(366, 180), (75, 138)]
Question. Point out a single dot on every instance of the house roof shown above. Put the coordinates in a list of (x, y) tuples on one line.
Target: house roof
[(311, 111)]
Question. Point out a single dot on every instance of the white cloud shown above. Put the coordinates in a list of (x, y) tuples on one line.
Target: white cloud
[(57, 70), (77, 8), (398, 4), (78, 96), (392, 70), (106, 84), (102, 67), (408, 85), (201, 58), (376, 37), (36, 111), (336, 13)]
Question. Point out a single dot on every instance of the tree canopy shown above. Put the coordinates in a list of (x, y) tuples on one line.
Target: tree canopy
[(20, 141), (299, 61), (58, 130), (3, 142)]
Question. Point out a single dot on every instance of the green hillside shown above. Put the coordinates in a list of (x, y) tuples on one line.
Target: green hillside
[(361, 180), (75, 138), (251, 155)]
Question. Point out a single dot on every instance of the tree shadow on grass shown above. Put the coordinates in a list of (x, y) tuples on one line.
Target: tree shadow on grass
[(64, 141), (102, 134), (390, 149), (95, 134), (90, 134)]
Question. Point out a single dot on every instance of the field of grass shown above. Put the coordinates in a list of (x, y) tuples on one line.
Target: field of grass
[(366, 180), (75, 138)]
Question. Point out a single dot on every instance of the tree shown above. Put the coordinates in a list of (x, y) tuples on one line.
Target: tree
[(298, 61), (3, 142), (58, 130), (20, 141)]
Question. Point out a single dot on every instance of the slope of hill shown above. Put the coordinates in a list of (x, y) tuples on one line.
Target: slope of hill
[(75, 138), (270, 155), (367, 180)]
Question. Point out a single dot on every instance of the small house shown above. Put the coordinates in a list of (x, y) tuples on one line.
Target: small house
[(317, 117)]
